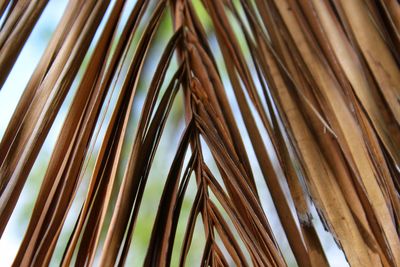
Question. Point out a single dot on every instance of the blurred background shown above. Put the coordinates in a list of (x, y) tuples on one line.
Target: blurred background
[(11, 92)]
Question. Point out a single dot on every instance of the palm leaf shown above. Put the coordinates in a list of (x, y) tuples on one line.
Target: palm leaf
[(316, 84)]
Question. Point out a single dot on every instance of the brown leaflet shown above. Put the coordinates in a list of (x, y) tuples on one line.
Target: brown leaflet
[(4, 4), (87, 122), (383, 66), (160, 246), (310, 57), (184, 13), (52, 49), (38, 120), (227, 236), (341, 119), (232, 52), (200, 87), (14, 35), (135, 176), (288, 112), (314, 247), (45, 193)]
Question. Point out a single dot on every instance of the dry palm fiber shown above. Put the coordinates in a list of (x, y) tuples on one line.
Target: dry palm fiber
[(316, 84)]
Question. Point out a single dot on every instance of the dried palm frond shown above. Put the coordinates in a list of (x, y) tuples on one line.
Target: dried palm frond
[(316, 84)]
